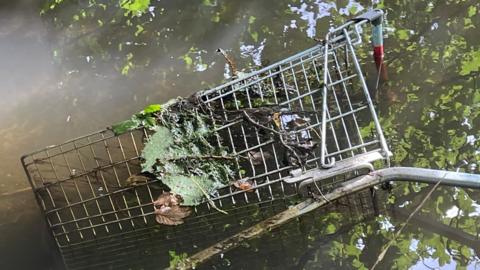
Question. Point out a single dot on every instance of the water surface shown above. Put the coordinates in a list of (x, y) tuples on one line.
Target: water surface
[(73, 68)]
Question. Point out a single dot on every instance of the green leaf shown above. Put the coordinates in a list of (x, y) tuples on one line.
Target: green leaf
[(400, 154), (402, 34), (330, 228), (254, 35), (472, 10), (125, 126), (156, 147), (476, 97), (177, 261), (464, 201), (209, 3), (188, 60), (471, 63), (352, 250), (139, 30), (126, 68), (150, 122), (153, 108), (135, 6), (192, 188), (465, 251)]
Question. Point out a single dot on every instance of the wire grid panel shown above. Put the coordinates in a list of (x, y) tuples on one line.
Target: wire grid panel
[(82, 187), (147, 248)]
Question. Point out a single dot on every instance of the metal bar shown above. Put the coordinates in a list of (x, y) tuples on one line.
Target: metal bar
[(409, 174), (370, 15), (65, 195), (378, 128), (338, 169), (340, 110), (429, 176), (323, 151), (230, 136), (293, 57)]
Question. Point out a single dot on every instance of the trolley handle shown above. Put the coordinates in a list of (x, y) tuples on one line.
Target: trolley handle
[(374, 16)]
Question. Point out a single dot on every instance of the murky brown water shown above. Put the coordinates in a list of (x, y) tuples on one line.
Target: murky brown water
[(62, 78)]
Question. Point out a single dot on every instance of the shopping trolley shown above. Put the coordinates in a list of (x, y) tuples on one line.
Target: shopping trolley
[(99, 221)]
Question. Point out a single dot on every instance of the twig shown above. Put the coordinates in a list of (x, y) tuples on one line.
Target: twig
[(208, 197), (384, 251), (250, 119), (316, 132), (320, 191), (200, 157), (291, 150), (280, 135), (230, 61)]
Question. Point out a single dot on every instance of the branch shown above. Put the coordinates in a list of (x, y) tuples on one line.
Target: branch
[(280, 135), (397, 234), (208, 197)]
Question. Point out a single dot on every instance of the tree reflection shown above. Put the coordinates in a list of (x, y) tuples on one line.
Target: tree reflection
[(433, 63)]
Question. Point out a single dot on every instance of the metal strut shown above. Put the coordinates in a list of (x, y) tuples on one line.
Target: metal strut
[(411, 174)]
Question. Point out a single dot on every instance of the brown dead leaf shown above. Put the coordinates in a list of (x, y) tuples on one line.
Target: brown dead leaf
[(244, 185), (172, 215), (168, 210)]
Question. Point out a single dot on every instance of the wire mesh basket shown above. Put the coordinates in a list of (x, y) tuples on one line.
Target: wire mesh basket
[(94, 214)]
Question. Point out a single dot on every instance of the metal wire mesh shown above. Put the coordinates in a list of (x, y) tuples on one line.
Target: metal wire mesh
[(81, 184)]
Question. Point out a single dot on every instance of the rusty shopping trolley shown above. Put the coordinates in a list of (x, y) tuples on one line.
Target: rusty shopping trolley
[(98, 221)]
